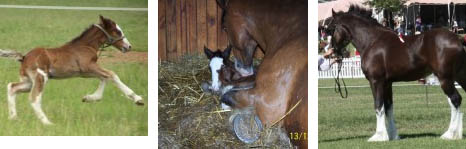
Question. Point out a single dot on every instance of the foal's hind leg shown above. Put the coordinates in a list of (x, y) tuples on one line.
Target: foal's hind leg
[(455, 130), (109, 75), (23, 86), (35, 97)]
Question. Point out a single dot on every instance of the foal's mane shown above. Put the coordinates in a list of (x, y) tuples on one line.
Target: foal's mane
[(86, 31)]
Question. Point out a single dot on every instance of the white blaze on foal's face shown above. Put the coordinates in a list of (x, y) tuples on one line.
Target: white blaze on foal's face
[(127, 45), (215, 65)]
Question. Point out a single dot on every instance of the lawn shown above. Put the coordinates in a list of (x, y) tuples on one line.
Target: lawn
[(24, 29), (87, 3), (348, 123)]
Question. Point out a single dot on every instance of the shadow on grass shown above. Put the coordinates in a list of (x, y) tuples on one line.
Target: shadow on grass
[(404, 136), (341, 139), (420, 135)]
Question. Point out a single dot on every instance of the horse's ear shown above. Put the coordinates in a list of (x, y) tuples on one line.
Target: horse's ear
[(104, 21), (226, 52), (333, 12), (208, 53), (222, 3)]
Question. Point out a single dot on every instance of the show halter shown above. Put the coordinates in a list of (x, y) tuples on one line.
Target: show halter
[(110, 39)]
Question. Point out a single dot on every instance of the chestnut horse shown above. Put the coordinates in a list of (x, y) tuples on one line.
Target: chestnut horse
[(386, 58), (279, 28), (77, 58)]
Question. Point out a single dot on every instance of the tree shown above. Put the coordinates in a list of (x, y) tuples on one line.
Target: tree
[(390, 5)]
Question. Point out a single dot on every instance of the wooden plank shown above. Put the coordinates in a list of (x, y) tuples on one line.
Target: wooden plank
[(171, 29), (191, 15), (184, 32), (178, 29), (222, 41), (162, 32), (212, 24), (201, 25)]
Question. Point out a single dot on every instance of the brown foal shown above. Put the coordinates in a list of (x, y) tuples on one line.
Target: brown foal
[(77, 58)]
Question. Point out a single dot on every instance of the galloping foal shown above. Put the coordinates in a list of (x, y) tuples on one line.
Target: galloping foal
[(77, 58)]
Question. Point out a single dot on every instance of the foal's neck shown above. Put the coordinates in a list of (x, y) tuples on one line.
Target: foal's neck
[(92, 37)]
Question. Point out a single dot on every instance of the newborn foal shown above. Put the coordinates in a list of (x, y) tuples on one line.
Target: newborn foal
[(224, 76)]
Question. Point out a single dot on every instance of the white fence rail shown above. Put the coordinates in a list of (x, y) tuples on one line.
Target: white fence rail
[(351, 69)]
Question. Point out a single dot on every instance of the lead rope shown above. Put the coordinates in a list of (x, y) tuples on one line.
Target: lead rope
[(337, 80)]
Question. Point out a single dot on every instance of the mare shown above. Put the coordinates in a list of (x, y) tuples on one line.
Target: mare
[(279, 28), (385, 59), (77, 58)]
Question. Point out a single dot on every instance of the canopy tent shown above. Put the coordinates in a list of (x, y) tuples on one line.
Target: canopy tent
[(435, 12), (434, 2), (325, 9)]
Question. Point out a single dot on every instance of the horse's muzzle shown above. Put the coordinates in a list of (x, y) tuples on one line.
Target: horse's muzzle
[(244, 70)]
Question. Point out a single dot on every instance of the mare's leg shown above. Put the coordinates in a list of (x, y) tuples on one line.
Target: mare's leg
[(455, 129), (388, 105), (379, 92), (16, 87), (35, 97), (109, 75), (97, 95)]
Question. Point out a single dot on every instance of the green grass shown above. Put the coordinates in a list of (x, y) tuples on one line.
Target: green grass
[(88, 3), (24, 29), (348, 123), (114, 115)]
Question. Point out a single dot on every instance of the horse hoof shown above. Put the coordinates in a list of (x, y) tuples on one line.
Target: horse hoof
[(247, 130), (206, 87), (89, 98), (140, 103), (450, 135), (379, 136), (12, 117), (48, 123)]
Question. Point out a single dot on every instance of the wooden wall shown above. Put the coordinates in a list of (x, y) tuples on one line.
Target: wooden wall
[(186, 26)]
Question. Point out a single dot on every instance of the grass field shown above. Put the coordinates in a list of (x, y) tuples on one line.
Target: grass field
[(348, 123), (88, 3), (23, 29)]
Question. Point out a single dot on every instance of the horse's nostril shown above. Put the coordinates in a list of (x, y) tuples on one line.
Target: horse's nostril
[(129, 47)]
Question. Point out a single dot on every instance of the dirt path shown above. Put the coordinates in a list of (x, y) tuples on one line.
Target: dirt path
[(117, 57)]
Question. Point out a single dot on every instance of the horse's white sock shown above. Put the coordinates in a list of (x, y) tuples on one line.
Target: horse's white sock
[(381, 130)]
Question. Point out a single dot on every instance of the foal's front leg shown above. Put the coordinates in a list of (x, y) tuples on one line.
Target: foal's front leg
[(97, 95), (109, 75)]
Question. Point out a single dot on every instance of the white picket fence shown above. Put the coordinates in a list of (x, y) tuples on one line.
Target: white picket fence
[(351, 69)]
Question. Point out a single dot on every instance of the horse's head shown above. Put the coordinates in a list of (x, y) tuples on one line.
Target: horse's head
[(236, 25), (218, 62), (339, 32), (114, 34)]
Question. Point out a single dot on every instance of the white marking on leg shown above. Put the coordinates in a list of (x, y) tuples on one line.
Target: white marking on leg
[(455, 129), (41, 72), (125, 89), (97, 95), (392, 133), (215, 65), (36, 105), (11, 102), (381, 130)]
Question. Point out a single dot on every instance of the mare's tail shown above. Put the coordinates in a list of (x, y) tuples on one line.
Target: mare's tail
[(12, 54)]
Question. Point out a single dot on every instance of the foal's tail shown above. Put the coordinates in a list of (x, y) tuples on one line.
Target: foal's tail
[(12, 54)]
